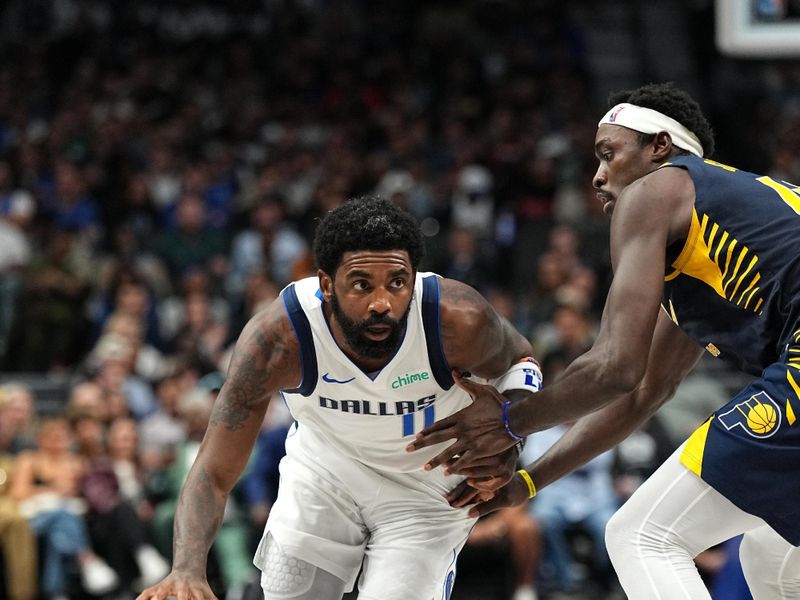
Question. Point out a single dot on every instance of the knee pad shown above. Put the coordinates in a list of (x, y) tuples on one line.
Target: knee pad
[(286, 577)]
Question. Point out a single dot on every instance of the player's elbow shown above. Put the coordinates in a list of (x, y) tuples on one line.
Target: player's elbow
[(619, 375)]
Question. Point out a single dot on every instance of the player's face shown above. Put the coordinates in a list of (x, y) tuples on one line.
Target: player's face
[(370, 299), (623, 160)]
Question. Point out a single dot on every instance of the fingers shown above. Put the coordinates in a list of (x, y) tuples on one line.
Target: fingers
[(440, 431), (484, 508), (462, 495), (466, 460), (444, 456), (489, 484), (178, 589)]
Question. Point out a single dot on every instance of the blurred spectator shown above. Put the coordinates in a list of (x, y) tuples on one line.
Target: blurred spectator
[(464, 260), (570, 333), (259, 292), (115, 375), (521, 532), (148, 362), (172, 309), (69, 206), (203, 337), (698, 395), (16, 252), (88, 397), (639, 455), (192, 243), (123, 450), (45, 484), (582, 501), (162, 432), (17, 541), (49, 331), (269, 245), (116, 529), (473, 202), (541, 299), (16, 419)]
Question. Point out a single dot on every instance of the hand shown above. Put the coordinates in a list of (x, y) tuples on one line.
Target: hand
[(515, 492), (478, 430), (181, 586), (492, 472)]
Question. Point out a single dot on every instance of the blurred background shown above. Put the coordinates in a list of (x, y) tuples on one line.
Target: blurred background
[(163, 164)]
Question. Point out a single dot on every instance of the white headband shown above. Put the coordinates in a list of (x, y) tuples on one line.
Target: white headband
[(646, 120)]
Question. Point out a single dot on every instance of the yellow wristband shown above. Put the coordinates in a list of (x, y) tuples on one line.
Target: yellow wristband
[(528, 481)]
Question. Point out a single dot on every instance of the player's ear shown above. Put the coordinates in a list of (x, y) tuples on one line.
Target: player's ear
[(325, 284), (662, 146)]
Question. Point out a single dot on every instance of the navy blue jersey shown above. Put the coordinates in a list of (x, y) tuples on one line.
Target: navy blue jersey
[(734, 286)]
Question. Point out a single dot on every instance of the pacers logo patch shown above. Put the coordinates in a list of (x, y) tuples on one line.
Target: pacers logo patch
[(759, 416)]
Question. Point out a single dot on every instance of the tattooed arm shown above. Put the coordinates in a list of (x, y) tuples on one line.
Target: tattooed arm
[(266, 359)]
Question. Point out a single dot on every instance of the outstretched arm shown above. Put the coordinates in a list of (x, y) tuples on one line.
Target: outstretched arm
[(672, 357), (265, 360), (650, 214)]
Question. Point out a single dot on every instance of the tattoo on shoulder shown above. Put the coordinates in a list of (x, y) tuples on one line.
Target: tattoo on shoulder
[(261, 355)]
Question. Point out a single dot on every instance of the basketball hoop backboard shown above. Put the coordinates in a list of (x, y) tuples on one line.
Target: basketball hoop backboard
[(757, 29)]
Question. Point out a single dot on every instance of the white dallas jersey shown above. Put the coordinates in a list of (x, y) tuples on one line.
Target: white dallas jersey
[(370, 419)]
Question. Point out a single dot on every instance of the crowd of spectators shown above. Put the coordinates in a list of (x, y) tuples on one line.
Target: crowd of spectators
[(162, 169)]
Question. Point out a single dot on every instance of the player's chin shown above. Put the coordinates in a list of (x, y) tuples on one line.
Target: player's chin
[(608, 207)]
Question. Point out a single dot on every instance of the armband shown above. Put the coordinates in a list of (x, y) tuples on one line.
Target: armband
[(522, 375), (507, 425), (526, 477)]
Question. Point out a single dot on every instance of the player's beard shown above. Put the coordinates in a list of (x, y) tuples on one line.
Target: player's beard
[(357, 340)]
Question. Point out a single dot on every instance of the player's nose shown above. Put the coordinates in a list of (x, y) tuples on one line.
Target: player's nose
[(381, 301), (600, 178)]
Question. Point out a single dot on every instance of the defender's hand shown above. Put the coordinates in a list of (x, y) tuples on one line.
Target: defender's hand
[(465, 494), (513, 493), (478, 430), (181, 586)]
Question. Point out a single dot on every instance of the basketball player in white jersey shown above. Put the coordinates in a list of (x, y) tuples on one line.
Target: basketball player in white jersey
[(362, 355)]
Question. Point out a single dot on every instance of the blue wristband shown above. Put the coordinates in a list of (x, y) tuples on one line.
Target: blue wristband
[(514, 436)]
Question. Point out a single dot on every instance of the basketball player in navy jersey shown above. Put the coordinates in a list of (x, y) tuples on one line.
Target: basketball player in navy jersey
[(706, 258), (362, 355)]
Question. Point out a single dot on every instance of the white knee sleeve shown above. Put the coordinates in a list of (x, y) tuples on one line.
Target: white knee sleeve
[(771, 565), (285, 577)]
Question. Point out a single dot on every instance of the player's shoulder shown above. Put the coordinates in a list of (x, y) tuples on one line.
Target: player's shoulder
[(663, 183), (663, 198), (462, 308), (270, 334)]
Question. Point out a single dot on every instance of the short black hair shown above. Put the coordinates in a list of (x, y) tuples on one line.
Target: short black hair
[(366, 223), (672, 101)]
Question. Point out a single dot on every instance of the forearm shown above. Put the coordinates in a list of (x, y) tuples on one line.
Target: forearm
[(199, 515), (590, 436), (585, 386)]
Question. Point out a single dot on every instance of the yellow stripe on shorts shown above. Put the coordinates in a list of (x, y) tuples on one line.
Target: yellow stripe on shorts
[(692, 454)]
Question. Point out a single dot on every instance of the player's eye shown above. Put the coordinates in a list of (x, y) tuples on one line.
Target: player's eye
[(360, 285), (398, 283), (606, 156)]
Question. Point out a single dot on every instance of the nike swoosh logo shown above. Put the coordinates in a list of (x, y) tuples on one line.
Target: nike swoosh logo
[(329, 379)]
